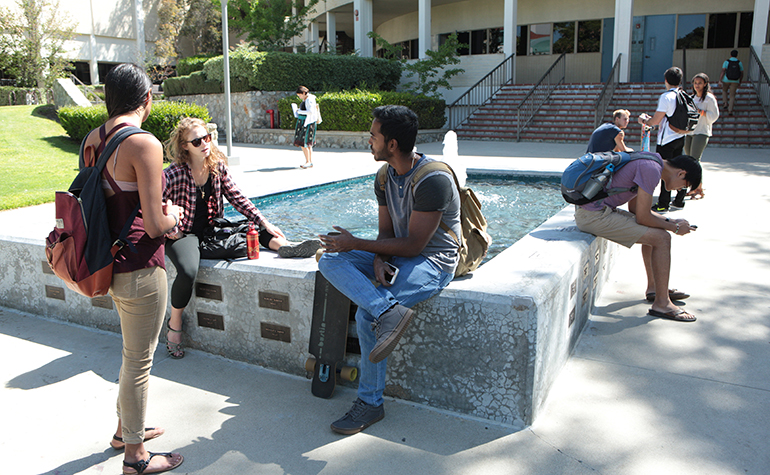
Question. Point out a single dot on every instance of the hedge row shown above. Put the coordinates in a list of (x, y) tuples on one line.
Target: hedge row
[(164, 116), (278, 71), (187, 66), (17, 96), (352, 111), (197, 83)]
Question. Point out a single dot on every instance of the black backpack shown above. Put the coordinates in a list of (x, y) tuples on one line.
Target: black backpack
[(686, 114), (733, 71)]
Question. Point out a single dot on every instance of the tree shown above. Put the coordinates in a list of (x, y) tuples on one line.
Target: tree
[(270, 24), (203, 25), (171, 14), (32, 46), (431, 72)]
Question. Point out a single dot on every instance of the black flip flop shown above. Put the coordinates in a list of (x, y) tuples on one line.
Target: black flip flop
[(673, 294), (676, 316)]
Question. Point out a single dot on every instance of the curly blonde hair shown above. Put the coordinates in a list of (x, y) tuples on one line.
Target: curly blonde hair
[(176, 153)]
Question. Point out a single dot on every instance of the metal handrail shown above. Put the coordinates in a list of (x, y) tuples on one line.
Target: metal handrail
[(539, 93), (480, 93), (605, 97), (759, 80), (77, 82)]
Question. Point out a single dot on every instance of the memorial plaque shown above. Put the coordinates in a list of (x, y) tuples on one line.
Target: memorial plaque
[(54, 292), (105, 301), (586, 268), (573, 289), (596, 256), (585, 295), (211, 320), (208, 291), (274, 300), (572, 316), (272, 331), (47, 269)]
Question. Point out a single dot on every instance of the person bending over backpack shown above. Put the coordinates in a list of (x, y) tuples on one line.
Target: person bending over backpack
[(411, 238), (641, 225)]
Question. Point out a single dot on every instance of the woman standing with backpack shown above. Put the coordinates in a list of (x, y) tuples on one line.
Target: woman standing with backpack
[(134, 175), (696, 142)]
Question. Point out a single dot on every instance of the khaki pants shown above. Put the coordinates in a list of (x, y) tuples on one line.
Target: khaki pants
[(140, 298), (731, 88)]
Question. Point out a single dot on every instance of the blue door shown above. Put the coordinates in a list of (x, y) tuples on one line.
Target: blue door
[(658, 46)]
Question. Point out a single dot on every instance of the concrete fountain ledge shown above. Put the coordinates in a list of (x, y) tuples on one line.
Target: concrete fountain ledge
[(490, 345)]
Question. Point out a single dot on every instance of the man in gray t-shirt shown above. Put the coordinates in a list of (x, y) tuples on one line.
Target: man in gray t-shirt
[(410, 240)]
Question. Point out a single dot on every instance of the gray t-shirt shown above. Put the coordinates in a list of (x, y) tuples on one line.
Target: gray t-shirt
[(434, 192)]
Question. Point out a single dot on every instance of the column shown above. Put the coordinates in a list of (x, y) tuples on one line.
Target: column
[(621, 45), (510, 24), (312, 36), (139, 28), (423, 28), (362, 24), (331, 31), (759, 27), (93, 63)]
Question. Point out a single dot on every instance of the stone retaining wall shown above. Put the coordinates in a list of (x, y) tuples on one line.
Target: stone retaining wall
[(251, 122)]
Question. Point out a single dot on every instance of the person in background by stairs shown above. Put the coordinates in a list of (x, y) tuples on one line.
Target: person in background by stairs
[(609, 137), (670, 140), (731, 77), (696, 142)]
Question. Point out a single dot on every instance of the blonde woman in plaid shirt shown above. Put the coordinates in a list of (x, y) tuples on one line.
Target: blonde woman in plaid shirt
[(197, 180)]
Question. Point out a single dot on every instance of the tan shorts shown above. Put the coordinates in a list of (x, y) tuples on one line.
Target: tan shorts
[(614, 224)]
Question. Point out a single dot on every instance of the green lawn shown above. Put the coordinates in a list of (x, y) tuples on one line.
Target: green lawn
[(37, 158)]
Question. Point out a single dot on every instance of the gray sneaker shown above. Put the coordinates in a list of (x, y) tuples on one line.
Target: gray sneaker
[(358, 418), (302, 249), (388, 330)]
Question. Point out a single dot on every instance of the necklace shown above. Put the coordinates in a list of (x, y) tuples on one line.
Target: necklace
[(201, 190)]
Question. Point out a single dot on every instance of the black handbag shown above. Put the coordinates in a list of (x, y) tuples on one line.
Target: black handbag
[(224, 239)]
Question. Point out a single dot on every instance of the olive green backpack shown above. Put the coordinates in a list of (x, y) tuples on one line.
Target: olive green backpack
[(475, 239)]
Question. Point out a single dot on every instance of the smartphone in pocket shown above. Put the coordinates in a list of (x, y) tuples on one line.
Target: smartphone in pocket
[(391, 278)]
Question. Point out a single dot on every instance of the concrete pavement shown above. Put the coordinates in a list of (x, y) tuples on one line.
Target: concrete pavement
[(639, 396)]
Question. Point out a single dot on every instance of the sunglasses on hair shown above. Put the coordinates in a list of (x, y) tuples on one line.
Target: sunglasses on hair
[(197, 142)]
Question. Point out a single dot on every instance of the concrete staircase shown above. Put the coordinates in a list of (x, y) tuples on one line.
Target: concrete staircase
[(569, 113)]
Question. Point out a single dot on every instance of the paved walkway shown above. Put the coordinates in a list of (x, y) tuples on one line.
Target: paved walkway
[(639, 396)]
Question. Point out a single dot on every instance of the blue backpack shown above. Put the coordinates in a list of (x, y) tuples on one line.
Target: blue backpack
[(589, 178)]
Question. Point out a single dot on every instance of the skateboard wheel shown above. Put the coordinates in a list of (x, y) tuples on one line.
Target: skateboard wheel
[(349, 373), (310, 364)]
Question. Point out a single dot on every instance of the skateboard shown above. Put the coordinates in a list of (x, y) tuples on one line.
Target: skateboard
[(328, 338)]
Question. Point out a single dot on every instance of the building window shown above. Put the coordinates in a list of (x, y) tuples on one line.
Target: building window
[(744, 29), (486, 41), (589, 36), (689, 31), (521, 40), (722, 30), (540, 39), (495, 39), (564, 37)]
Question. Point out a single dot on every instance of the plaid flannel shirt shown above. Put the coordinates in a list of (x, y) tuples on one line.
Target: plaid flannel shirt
[(180, 189)]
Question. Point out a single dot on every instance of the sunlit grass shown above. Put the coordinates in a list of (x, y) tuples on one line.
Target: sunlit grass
[(37, 158)]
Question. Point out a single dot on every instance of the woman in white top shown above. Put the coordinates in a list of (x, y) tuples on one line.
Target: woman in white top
[(696, 142), (308, 117)]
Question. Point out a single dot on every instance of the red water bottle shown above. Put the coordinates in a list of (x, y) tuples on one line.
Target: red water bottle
[(252, 242)]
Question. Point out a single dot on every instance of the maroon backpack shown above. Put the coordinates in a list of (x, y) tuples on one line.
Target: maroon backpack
[(79, 249)]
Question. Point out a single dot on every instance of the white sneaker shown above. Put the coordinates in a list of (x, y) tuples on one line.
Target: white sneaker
[(306, 165)]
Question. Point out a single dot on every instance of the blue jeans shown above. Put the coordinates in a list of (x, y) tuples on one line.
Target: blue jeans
[(352, 273)]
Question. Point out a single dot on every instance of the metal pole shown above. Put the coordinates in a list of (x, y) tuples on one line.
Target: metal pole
[(226, 48)]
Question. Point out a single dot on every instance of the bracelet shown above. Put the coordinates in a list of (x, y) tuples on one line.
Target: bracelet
[(667, 220), (677, 229), (176, 220)]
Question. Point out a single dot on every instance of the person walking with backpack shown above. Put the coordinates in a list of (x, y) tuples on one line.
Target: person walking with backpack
[(730, 78), (134, 175), (412, 237), (670, 139), (695, 143)]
